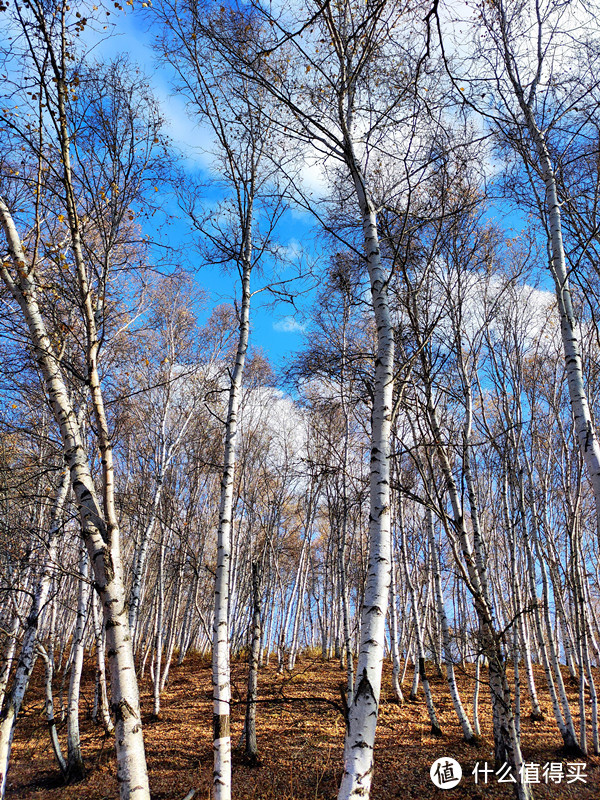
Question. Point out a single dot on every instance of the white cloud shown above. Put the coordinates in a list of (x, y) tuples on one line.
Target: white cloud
[(289, 325)]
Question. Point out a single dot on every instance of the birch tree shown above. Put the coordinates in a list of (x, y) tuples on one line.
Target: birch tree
[(537, 83), (52, 160), (322, 94), (234, 110)]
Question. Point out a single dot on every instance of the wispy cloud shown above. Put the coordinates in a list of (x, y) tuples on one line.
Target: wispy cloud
[(289, 325)]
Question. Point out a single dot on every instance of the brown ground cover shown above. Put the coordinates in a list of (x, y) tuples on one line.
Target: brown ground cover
[(300, 737)]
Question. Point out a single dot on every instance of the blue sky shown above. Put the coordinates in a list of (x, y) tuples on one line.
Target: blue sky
[(277, 328)]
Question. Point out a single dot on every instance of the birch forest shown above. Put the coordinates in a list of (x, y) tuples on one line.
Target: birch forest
[(299, 368)]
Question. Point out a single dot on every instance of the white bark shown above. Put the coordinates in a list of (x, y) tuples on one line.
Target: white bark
[(101, 534), (220, 664), (536, 712), (394, 638), (251, 747), (582, 418), (27, 655), (139, 563), (9, 655), (362, 713), (173, 627), (158, 637), (507, 745), (75, 765), (49, 709), (476, 726), (101, 699), (435, 726), (439, 596)]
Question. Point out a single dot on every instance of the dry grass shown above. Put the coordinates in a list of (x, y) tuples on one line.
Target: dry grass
[(300, 742)]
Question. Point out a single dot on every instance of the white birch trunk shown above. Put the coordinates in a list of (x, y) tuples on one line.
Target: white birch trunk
[(49, 710), (297, 616), (507, 745), (174, 610), (102, 708), (394, 638), (536, 712), (102, 537), (476, 726), (27, 655), (158, 637), (186, 626), (139, 564), (289, 604), (251, 747), (439, 596), (75, 767), (435, 726), (362, 713), (546, 644), (582, 418), (9, 655), (220, 663)]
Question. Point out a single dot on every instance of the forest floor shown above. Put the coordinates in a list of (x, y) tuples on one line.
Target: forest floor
[(300, 739)]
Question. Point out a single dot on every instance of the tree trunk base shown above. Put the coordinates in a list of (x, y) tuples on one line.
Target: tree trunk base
[(75, 773), (571, 750), (251, 760)]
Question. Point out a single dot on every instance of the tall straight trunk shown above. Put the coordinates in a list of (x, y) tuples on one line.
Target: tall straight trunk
[(101, 700), (476, 726), (435, 726), (52, 626), (100, 522), (167, 452), (220, 660), (414, 689), (581, 623), (562, 617), (441, 609), (506, 742), (14, 700), (158, 636), (100, 527), (250, 721), (174, 610), (297, 616), (186, 625), (517, 676), (536, 712), (49, 709), (546, 643), (139, 561), (363, 711), (580, 659), (343, 537), (593, 619), (582, 417), (9, 655), (394, 637), (293, 601), (75, 767)]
